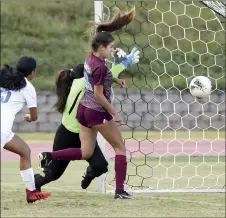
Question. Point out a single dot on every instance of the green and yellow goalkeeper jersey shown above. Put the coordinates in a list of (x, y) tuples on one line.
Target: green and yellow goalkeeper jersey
[(77, 90)]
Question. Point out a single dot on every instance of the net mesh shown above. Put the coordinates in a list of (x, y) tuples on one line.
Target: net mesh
[(173, 141)]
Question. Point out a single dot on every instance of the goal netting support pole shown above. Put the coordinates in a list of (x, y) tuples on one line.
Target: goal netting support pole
[(98, 16), (174, 142)]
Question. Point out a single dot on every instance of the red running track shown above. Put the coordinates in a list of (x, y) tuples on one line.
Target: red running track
[(137, 149)]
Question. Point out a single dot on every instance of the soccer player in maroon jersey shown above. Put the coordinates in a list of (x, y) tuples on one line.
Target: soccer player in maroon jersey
[(95, 112)]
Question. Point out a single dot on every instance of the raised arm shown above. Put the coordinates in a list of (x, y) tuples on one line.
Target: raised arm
[(123, 61)]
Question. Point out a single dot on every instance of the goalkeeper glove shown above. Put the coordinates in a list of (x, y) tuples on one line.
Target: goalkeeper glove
[(118, 54), (132, 58)]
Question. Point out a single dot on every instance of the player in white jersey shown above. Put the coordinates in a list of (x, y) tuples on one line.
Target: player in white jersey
[(17, 91)]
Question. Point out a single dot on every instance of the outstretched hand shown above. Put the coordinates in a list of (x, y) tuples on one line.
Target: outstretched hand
[(134, 55), (132, 58), (119, 53)]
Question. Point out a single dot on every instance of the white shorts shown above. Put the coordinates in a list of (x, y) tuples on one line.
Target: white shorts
[(6, 137)]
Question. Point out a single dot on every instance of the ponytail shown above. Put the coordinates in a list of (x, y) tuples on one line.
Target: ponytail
[(119, 20), (63, 86), (11, 79), (100, 33)]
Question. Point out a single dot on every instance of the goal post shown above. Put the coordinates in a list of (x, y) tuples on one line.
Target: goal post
[(217, 6), (98, 16), (174, 142)]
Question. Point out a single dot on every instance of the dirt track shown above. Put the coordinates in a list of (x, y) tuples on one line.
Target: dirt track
[(139, 149)]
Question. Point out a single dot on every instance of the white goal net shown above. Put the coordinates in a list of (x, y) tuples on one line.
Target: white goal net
[(175, 142)]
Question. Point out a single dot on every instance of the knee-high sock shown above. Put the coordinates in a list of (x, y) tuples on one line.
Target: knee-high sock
[(67, 154), (120, 171)]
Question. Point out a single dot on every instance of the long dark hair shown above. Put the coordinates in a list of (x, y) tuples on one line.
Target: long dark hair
[(64, 82), (119, 20), (63, 86), (100, 33), (11, 79)]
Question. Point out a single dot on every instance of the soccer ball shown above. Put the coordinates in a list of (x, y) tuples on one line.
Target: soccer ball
[(200, 87)]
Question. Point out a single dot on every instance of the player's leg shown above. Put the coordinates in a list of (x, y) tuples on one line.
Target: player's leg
[(86, 134), (63, 139), (111, 133), (18, 146), (52, 173), (97, 166)]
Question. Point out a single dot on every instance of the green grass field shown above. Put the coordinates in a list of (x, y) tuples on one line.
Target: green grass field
[(69, 200)]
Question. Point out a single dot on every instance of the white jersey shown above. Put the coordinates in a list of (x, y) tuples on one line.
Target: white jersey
[(12, 102)]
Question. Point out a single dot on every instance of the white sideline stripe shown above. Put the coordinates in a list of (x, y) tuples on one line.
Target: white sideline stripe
[(143, 196)]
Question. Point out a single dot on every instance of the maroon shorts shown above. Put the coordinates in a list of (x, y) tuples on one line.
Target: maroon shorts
[(89, 117)]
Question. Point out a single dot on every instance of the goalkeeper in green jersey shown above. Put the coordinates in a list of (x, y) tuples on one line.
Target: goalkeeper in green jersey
[(70, 87)]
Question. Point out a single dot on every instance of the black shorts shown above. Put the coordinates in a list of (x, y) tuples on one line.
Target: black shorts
[(65, 139)]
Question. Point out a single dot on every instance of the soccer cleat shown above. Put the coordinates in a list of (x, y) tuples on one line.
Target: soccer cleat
[(87, 179), (35, 195), (45, 160), (123, 195)]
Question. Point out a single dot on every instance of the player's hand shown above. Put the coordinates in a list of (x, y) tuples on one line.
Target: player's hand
[(27, 118), (117, 118), (135, 55), (132, 58), (120, 82), (118, 54)]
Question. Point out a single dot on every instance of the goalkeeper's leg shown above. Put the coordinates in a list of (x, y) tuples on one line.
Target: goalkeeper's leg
[(63, 139), (97, 166), (54, 172)]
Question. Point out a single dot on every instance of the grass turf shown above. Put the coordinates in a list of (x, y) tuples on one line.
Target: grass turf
[(68, 199)]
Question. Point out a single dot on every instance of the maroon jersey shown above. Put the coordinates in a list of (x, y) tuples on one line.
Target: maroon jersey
[(96, 72)]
